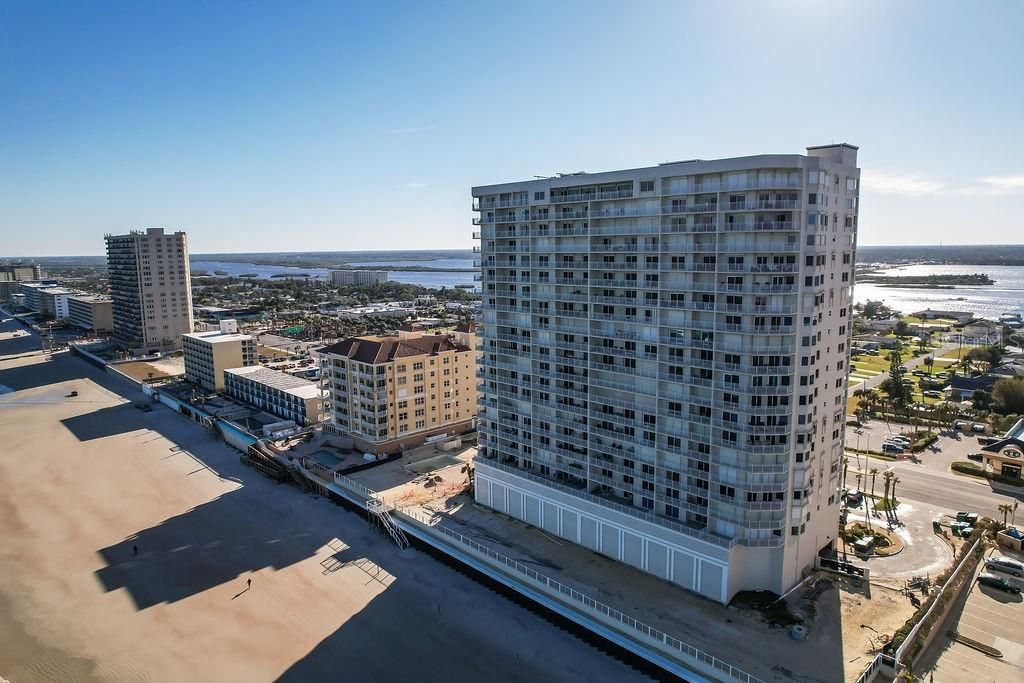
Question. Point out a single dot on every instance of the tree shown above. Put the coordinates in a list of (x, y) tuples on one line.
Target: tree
[(901, 329), (928, 363), (1008, 395), (874, 473), (1006, 509), (892, 492), (923, 338), (886, 484), (899, 395), (846, 466)]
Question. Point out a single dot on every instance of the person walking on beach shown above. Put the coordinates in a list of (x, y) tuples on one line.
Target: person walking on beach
[(248, 584)]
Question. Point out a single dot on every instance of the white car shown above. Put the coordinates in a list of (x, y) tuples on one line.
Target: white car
[(898, 439), (1005, 564)]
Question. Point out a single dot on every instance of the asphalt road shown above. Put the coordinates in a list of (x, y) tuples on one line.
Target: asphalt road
[(931, 481)]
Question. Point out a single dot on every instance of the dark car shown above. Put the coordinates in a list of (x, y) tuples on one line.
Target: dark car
[(976, 457), (993, 581)]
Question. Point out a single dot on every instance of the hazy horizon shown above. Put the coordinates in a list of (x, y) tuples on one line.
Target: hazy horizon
[(196, 255)]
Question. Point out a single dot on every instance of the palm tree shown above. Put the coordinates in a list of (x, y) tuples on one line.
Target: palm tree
[(892, 492), (846, 466), (928, 363), (874, 473), (886, 483), (1006, 510)]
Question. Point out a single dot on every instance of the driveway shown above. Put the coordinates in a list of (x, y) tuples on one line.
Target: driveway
[(990, 617)]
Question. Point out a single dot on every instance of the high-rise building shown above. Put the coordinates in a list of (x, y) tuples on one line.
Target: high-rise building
[(358, 277), (151, 289), (209, 354), (663, 376), (394, 392)]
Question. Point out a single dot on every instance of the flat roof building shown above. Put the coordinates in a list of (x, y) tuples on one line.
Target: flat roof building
[(358, 277), (391, 393), (664, 361), (209, 354), (91, 312), (31, 290), (278, 393), (150, 288)]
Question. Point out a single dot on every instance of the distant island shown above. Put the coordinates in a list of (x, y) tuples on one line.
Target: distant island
[(953, 255), (348, 260), (927, 281)]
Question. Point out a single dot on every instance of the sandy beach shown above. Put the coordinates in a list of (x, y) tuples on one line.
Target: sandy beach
[(87, 479)]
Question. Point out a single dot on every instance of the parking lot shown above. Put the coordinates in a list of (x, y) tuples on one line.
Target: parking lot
[(991, 617)]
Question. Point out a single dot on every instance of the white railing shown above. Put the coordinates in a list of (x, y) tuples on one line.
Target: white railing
[(936, 604), (574, 596), (631, 626)]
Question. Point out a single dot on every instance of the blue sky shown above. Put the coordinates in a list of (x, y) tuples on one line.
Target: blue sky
[(303, 126)]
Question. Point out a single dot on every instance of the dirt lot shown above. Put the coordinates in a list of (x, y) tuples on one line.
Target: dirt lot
[(161, 369)]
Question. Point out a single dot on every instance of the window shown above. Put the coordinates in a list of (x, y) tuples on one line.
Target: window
[(812, 198), (647, 186), (538, 196)]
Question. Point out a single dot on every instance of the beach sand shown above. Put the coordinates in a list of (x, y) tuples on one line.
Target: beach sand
[(84, 479)]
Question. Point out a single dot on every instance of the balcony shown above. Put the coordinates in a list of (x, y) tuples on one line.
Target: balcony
[(708, 207)]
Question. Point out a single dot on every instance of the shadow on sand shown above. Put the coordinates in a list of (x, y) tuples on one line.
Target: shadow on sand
[(204, 547)]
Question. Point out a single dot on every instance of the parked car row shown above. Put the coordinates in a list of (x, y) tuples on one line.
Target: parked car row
[(894, 445)]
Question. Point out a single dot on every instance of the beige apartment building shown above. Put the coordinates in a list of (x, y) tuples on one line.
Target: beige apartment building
[(91, 312), (151, 289), (209, 354), (391, 393)]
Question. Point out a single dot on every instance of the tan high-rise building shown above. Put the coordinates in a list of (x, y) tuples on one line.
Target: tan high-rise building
[(393, 392), (150, 288)]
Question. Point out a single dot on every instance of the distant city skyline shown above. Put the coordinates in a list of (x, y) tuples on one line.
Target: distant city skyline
[(327, 127)]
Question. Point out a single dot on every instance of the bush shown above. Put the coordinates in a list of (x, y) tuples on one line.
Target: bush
[(924, 440), (975, 470)]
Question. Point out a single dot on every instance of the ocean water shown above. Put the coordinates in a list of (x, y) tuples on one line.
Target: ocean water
[(991, 301)]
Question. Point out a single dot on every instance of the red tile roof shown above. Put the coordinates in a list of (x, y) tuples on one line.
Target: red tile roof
[(386, 349)]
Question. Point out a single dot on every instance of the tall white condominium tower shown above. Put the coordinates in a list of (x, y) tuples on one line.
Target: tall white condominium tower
[(151, 289), (663, 377)]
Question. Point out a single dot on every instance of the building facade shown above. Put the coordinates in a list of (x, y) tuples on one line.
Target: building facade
[(209, 354), (21, 273), (391, 393), (32, 292), (53, 302), (665, 351), (150, 288), (91, 312), (286, 396), (358, 277)]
